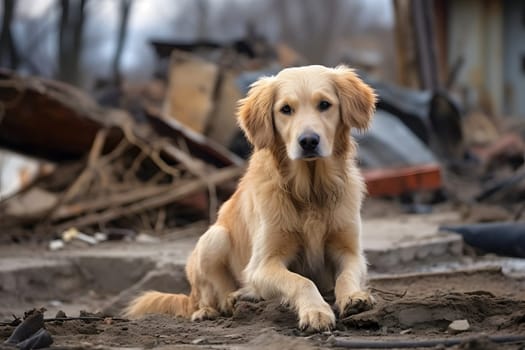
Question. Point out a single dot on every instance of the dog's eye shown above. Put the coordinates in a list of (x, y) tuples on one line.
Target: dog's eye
[(324, 105), (286, 109)]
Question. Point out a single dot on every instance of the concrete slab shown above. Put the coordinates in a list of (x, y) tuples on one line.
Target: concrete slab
[(387, 242), (391, 242)]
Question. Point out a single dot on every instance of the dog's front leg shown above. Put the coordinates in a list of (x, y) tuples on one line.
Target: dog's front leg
[(351, 296), (271, 278)]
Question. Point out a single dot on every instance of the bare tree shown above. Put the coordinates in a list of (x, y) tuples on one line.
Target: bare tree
[(8, 50), (202, 10), (313, 26), (70, 35), (125, 10)]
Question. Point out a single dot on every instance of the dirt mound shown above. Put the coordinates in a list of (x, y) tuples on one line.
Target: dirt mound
[(482, 310), (259, 325), (409, 307)]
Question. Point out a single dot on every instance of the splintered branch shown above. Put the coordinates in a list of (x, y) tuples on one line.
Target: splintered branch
[(157, 201)]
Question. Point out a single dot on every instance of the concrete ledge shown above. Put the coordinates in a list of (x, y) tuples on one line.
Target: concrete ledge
[(423, 251)]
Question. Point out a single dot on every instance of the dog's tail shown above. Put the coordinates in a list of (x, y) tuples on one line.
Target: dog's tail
[(161, 303)]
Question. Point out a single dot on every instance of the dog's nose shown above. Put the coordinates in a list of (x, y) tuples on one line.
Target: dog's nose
[(309, 141)]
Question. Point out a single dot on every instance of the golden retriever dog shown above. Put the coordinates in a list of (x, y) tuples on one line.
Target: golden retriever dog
[(292, 229)]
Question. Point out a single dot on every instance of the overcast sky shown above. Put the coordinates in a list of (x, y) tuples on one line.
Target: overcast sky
[(161, 19)]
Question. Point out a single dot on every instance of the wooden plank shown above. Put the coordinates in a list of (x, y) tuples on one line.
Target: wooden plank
[(222, 124), (191, 89)]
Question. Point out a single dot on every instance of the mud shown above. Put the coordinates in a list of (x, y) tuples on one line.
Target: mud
[(409, 307)]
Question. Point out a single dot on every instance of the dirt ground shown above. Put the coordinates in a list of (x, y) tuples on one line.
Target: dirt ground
[(410, 307)]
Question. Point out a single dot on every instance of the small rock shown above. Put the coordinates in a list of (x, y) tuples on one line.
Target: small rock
[(61, 314), (145, 238), (458, 326), (56, 244), (100, 236)]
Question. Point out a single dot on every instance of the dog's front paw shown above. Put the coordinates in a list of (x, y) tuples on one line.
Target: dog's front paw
[(227, 305), (355, 303), (316, 319), (205, 313)]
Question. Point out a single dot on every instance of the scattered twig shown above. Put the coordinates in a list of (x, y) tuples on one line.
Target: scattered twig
[(150, 151), (161, 220), (85, 318), (63, 319), (171, 196), (15, 322), (117, 199), (131, 172), (146, 222), (502, 185), (86, 175)]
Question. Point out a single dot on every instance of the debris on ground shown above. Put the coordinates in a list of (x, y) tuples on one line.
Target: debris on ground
[(107, 166), (458, 326), (502, 238), (426, 303), (31, 334), (19, 172)]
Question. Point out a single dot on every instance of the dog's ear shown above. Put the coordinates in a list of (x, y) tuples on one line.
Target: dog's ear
[(255, 113), (357, 99)]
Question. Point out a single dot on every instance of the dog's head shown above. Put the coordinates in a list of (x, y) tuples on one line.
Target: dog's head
[(308, 108)]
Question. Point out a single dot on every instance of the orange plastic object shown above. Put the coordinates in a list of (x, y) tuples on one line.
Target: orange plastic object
[(396, 181)]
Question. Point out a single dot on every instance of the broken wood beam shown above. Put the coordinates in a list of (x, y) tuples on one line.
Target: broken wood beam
[(179, 192), (114, 200), (198, 145)]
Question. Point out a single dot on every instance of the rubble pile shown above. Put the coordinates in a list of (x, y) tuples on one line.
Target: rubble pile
[(149, 157), (104, 169)]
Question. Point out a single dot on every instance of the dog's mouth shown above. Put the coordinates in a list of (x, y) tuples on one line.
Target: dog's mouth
[(309, 156)]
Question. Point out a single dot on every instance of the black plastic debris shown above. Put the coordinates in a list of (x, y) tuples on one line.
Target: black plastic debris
[(502, 238), (41, 339), (31, 334)]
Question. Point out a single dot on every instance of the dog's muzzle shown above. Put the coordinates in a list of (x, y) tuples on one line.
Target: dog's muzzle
[(309, 143)]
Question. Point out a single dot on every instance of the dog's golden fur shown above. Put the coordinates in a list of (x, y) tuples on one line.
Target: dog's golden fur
[(292, 229)]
